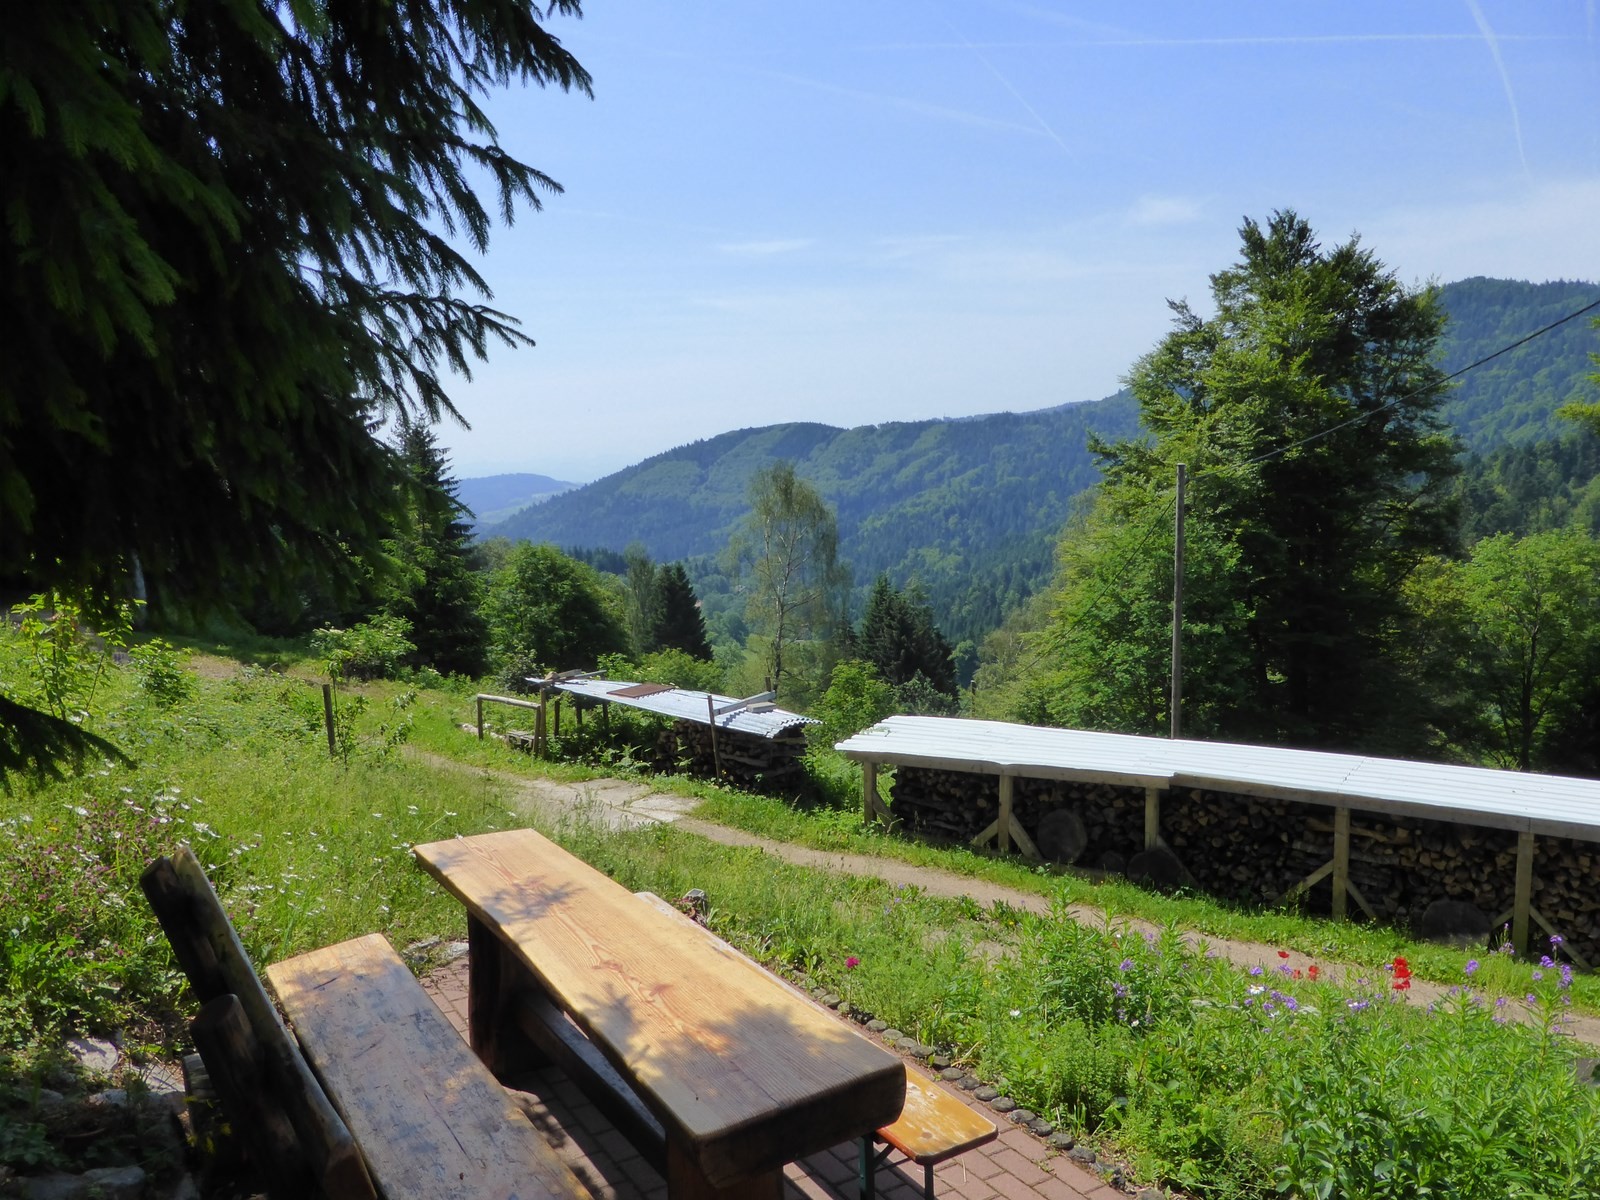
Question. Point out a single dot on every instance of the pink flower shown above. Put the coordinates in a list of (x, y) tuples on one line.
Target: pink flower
[(851, 963)]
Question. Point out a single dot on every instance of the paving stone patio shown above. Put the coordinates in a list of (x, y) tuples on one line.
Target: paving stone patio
[(1016, 1166)]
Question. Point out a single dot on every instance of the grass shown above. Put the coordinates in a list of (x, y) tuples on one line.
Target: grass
[(1167, 1057)]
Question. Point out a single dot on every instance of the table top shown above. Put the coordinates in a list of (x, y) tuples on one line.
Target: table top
[(743, 1072)]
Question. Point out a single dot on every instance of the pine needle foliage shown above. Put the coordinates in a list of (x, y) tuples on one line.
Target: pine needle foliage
[(229, 249)]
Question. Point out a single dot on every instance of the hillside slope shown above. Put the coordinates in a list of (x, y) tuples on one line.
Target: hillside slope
[(968, 508), (971, 508)]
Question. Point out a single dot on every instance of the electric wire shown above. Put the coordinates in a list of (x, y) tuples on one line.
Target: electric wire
[(1155, 523)]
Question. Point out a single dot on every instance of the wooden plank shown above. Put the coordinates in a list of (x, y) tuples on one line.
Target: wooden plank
[(743, 1075), (934, 1125), (210, 954), (1003, 825), (1023, 842), (992, 829), (1341, 861), (1152, 817), (233, 1061), (431, 1120), (1522, 898)]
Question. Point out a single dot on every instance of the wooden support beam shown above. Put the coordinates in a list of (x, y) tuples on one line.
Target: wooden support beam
[(480, 718), (872, 806), (716, 753), (1005, 821), (1341, 862), (541, 744), (992, 829), (1024, 842), (1522, 898), (1152, 817), (1309, 882)]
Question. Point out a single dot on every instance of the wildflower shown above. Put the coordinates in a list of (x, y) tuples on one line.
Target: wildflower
[(1255, 970), (1537, 975), (1556, 940), (1016, 1012), (1283, 954), (1546, 961), (851, 963), (1295, 974), (1357, 1005), (1125, 965), (1311, 972), (1566, 975), (1256, 989), (1472, 967)]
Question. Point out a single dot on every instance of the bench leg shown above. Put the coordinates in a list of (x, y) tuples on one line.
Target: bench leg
[(685, 1182), (494, 979)]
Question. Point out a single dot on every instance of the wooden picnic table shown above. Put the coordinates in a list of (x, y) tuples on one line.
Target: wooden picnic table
[(742, 1073)]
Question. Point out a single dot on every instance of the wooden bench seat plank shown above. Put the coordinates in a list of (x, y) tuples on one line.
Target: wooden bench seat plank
[(429, 1118), (742, 1075), (934, 1125)]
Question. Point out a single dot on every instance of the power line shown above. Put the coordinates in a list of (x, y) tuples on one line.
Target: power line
[(1318, 436), (1398, 400)]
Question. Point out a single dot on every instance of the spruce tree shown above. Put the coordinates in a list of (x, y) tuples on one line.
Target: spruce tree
[(436, 588), (898, 637), (226, 254), (679, 622)]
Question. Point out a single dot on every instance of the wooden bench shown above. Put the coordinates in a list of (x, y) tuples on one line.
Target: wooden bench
[(739, 1074), (379, 1096), (933, 1126)]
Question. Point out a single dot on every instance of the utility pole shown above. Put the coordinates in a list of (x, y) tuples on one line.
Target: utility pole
[(1177, 603)]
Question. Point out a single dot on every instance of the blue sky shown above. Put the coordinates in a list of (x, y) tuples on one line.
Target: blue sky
[(891, 210)]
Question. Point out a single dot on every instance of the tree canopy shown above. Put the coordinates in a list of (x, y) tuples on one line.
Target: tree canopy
[(789, 548), (226, 255), (1306, 409), (548, 612)]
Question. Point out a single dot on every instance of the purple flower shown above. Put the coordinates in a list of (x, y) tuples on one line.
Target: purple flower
[(1357, 1005), (1255, 970), (1125, 965), (1556, 939), (1472, 967), (1546, 961), (1118, 990), (1537, 975), (1566, 975)]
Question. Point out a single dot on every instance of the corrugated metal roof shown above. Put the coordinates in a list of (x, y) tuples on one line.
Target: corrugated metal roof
[(684, 705), (1551, 804)]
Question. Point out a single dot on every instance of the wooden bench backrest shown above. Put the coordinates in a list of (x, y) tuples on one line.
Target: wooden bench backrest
[(252, 1056)]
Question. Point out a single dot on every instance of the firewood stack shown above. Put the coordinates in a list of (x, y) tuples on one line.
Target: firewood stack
[(1254, 849), (748, 761)]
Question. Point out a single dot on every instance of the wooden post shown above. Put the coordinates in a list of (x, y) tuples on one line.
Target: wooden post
[(327, 717), (716, 753), (577, 717), (1522, 902), (869, 792), (1004, 832), (557, 707), (495, 980), (1341, 862), (1177, 605), (1152, 818), (540, 733), (605, 722), (480, 717)]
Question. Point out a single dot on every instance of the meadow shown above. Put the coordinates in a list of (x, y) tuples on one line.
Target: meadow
[(1190, 1071)]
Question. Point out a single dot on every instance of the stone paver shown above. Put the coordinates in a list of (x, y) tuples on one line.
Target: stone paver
[(1014, 1166)]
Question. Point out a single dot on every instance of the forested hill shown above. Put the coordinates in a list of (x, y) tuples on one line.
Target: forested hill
[(1514, 398), (970, 507), (491, 498)]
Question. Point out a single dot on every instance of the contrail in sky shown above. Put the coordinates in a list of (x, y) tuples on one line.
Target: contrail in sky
[(1505, 77), (1006, 83)]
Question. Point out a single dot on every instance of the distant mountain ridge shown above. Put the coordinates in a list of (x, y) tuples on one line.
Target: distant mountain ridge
[(971, 508), (493, 498)]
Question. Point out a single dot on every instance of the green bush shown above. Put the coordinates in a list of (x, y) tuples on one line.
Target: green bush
[(158, 670), (375, 649)]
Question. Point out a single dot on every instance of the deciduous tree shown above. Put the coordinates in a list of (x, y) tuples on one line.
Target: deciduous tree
[(788, 552)]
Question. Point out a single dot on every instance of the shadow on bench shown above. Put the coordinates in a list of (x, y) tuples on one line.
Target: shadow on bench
[(379, 1095)]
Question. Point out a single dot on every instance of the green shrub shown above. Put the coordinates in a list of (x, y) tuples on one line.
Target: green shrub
[(375, 649), (158, 670)]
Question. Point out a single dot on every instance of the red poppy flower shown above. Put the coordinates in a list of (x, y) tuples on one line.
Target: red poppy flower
[(1283, 954), (1402, 983), (1296, 974), (1311, 971)]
